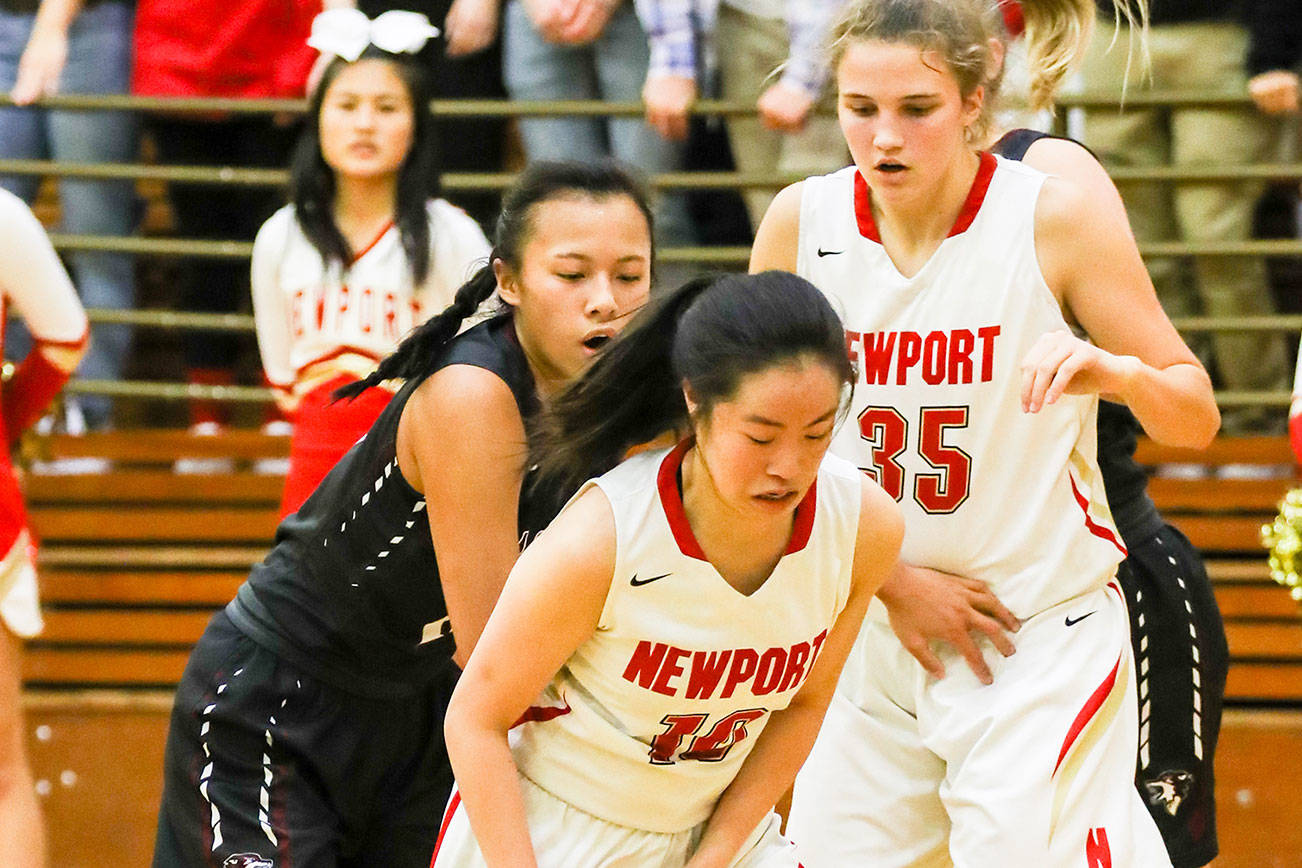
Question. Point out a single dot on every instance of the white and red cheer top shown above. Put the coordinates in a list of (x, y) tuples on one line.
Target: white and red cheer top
[(315, 322)]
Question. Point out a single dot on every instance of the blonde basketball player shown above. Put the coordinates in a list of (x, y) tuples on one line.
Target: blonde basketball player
[(663, 654), (989, 307)]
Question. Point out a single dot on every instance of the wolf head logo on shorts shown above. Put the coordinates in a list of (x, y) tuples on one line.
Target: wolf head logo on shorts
[(1169, 789), (247, 860)]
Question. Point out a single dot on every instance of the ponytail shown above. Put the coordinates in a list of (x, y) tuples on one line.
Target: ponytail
[(629, 396), (419, 351), (1059, 31)]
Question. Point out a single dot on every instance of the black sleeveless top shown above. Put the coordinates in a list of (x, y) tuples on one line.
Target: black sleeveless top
[(350, 593), (1126, 483)]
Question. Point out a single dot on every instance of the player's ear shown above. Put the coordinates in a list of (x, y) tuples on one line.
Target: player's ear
[(508, 284), (692, 404)]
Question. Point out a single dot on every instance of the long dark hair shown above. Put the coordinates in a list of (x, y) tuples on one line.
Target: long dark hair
[(418, 354), (707, 334), (312, 181)]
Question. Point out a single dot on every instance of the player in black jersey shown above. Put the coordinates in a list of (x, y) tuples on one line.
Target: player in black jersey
[(1181, 655), (308, 727)]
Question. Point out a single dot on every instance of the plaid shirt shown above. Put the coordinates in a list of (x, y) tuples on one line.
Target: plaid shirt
[(680, 33)]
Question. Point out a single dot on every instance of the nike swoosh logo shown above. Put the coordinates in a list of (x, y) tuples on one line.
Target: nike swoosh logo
[(1072, 622), (637, 583), (822, 252)]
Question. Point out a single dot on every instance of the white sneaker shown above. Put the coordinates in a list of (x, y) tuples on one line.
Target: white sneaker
[(278, 428), (87, 465), (1183, 470), (204, 466), (1255, 471)]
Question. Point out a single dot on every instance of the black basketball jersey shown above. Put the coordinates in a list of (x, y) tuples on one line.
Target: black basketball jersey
[(1125, 482), (350, 592)]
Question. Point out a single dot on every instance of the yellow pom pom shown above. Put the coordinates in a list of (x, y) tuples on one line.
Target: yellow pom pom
[(1283, 538)]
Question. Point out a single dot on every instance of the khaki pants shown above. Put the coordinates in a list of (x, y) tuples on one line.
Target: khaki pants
[(1208, 58), (751, 48)]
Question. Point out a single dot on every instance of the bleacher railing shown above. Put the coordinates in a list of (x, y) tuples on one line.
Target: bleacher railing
[(728, 257)]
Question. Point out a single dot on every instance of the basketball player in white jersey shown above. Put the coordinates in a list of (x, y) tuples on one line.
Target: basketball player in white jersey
[(687, 614), (365, 252), (963, 280), (34, 284)]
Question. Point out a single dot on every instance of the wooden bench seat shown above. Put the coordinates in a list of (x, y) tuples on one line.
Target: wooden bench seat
[(134, 561)]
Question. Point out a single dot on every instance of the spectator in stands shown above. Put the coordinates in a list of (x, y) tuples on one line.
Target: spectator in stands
[(773, 58), (33, 283), (464, 61), (588, 49), (76, 47), (1202, 46), (236, 48), (364, 252)]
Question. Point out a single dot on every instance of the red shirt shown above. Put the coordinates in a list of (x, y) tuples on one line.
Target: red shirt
[(232, 48)]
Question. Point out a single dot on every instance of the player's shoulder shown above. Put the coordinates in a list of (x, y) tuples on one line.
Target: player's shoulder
[(443, 213), (278, 226)]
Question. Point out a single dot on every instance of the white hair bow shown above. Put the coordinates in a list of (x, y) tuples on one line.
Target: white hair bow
[(347, 32)]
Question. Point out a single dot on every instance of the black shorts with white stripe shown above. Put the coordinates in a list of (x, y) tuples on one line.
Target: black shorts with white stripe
[(267, 766), (1181, 661)]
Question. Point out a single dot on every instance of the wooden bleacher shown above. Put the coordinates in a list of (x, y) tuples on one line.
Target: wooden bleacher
[(134, 561)]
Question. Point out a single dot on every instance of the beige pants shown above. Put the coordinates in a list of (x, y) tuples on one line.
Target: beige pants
[(751, 48), (1207, 58)]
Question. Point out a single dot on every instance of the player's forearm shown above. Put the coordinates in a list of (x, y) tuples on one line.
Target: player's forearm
[(488, 782), (1175, 405), (767, 773)]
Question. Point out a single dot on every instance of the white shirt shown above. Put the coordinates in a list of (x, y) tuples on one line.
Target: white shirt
[(651, 718), (987, 491), (314, 322)]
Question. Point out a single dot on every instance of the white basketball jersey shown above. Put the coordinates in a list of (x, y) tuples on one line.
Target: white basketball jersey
[(315, 322), (650, 719), (987, 491)]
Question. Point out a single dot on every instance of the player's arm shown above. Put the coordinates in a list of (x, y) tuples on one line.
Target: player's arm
[(35, 284), (781, 748), (551, 604), (271, 314), (461, 443), (1089, 259), (778, 236)]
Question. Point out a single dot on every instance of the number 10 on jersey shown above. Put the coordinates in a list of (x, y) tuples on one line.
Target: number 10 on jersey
[(887, 433)]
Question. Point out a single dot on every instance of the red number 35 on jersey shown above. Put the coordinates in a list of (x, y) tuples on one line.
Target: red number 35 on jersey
[(887, 433)]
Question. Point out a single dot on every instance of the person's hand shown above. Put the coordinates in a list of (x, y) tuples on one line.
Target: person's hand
[(588, 22), (470, 26), (40, 66), (668, 100), (570, 22), (928, 606), (1060, 363), (784, 108), (1275, 92)]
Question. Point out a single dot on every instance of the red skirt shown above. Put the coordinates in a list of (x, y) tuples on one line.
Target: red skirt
[(324, 430)]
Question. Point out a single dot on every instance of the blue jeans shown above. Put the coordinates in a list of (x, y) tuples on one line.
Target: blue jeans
[(613, 67), (99, 62)]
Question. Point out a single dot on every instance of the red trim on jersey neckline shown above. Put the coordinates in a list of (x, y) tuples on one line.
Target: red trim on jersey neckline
[(1092, 705), (1090, 524), (368, 248), (448, 813), (863, 210), (343, 350), (672, 501)]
